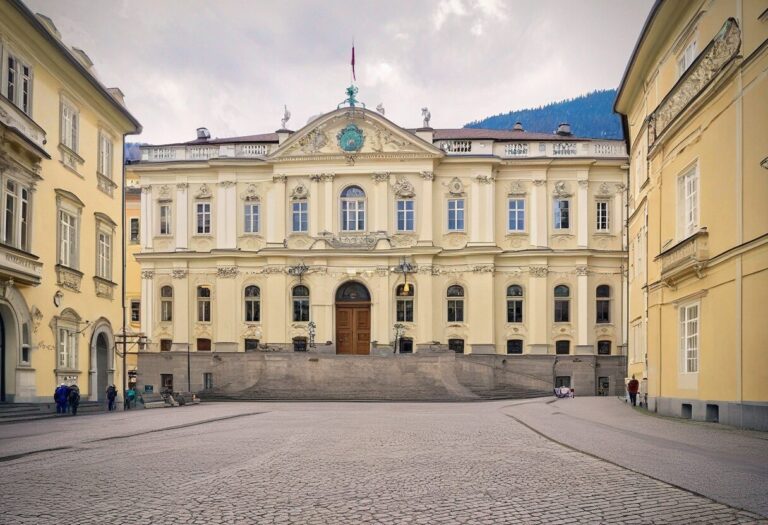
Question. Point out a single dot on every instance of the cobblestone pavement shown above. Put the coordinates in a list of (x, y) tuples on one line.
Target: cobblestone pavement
[(323, 463)]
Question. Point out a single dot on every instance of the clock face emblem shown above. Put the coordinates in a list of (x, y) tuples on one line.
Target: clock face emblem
[(351, 138)]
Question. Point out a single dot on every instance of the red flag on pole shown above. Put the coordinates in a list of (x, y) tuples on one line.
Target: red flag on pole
[(353, 63)]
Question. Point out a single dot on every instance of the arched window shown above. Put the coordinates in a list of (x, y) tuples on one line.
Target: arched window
[(300, 303), (404, 301), (455, 296), (353, 209), (603, 295), (252, 296), (562, 304), (166, 303), (204, 304), (515, 304)]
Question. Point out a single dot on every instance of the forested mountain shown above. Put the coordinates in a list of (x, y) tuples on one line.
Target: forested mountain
[(589, 115)]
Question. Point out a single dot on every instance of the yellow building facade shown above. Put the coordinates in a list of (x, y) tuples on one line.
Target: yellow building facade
[(694, 100), (61, 136), (356, 236)]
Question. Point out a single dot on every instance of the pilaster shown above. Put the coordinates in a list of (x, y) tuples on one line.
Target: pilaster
[(328, 202), (147, 217), (424, 207), (582, 221), (537, 312), (582, 311), (538, 221), (181, 309), (314, 204), (225, 227), (276, 204), (380, 204), (182, 216)]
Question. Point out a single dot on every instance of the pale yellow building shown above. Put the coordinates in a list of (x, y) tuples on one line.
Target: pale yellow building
[(694, 100), (61, 136), (510, 242)]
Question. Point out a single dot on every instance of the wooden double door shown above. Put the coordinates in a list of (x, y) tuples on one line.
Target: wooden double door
[(353, 328)]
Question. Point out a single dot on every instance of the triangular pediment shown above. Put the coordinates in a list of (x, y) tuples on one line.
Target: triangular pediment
[(351, 134)]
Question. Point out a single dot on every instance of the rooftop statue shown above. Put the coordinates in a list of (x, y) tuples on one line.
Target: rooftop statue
[(427, 116), (286, 117)]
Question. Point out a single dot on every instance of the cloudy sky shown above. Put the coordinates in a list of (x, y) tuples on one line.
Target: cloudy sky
[(231, 65)]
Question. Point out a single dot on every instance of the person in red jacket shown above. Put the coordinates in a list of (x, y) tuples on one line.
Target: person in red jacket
[(632, 387)]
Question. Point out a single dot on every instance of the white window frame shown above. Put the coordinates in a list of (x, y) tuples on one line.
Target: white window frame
[(603, 216), (251, 216), (557, 217), (689, 336), (106, 155), (688, 199), (68, 239), (104, 255), (203, 217), (23, 81), (456, 206), (166, 305), (70, 125), (20, 213), (165, 216), (353, 212), (406, 300), (300, 216), (686, 57), (134, 239), (25, 351), (204, 314), (516, 214), (66, 339), (405, 211), (255, 304)]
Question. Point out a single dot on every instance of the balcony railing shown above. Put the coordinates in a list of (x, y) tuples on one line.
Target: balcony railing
[(457, 146), (202, 152), (686, 257), (516, 149), (14, 117)]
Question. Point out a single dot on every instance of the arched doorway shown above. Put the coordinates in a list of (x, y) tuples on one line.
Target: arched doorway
[(353, 319), (2, 360), (102, 360)]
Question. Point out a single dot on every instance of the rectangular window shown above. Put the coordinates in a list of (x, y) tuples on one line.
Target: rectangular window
[(514, 346), (689, 338), (105, 155), (10, 212), (562, 347), (301, 310), (203, 218), (68, 240), (69, 126), (251, 345), (67, 348), (165, 219), (562, 214), (104, 256), (19, 84), (686, 58), (603, 348), (204, 309), (300, 216), (688, 202), (455, 214), (516, 215), (406, 219), (207, 380), (455, 310), (562, 310), (456, 345), (514, 310), (24, 219), (405, 310), (25, 349), (251, 219), (353, 215), (203, 345), (166, 345), (134, 230), (603, 224), (135, 311)]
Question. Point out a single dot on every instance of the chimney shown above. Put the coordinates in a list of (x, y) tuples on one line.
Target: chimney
[(203, 134), (117, 94), (283, 135), (426, 134), (518, 126), (564, 129)]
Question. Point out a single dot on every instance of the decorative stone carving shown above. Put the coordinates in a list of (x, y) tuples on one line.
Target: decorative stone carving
[(251, 193), (164, 192), (583, 184), (539, 182), (146, 189), (713, 59), (358, 242), (427, 116), (482, 268), (37, 317), (515, 188), (582, 271), (604, 189), (299, 192), (103, 288), (538, 271), (68, 278), (380, 109), (484, 179), (313, 142), (403, 188), (403, 240), (382, 271), (455, 187), (316, 177), (279, 179), (427, 175), (147, 274), (204, 192), (621, 187), (227, 272), (179, 273), (182, 186), (456, 240), (328, 177), (227, 183), (561, 189), (380, 177)]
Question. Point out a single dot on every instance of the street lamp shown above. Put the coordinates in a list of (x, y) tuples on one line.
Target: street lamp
[(312, 327), (399, 331)]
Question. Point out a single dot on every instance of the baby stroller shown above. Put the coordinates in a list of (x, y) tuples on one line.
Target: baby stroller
[(562, 392)]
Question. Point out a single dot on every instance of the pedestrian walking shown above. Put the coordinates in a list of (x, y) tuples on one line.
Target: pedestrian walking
[(111, 395), (632, 388), (60, 397), (573, 393), (74, 398)]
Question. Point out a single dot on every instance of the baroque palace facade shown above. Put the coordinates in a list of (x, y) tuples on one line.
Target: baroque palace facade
[(694, 100), (61, 136), (355, 236)]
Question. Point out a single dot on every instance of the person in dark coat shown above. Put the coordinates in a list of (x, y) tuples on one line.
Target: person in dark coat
[(60, 397), (74, 398), (632, 388), (111, 395)]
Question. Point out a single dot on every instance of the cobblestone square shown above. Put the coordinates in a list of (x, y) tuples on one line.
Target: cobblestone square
[(322, 463)]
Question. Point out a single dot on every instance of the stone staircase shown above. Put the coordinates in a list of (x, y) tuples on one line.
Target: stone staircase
[(17, 412)]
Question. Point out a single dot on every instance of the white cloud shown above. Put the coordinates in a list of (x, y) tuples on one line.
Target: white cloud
[(445, 9)]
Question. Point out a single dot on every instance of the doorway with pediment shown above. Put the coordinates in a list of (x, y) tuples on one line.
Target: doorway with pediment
[(353, 319)]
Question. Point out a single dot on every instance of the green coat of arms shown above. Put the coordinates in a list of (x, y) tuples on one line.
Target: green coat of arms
[(351, 138)]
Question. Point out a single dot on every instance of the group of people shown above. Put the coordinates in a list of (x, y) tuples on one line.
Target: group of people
[(67, 398)]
